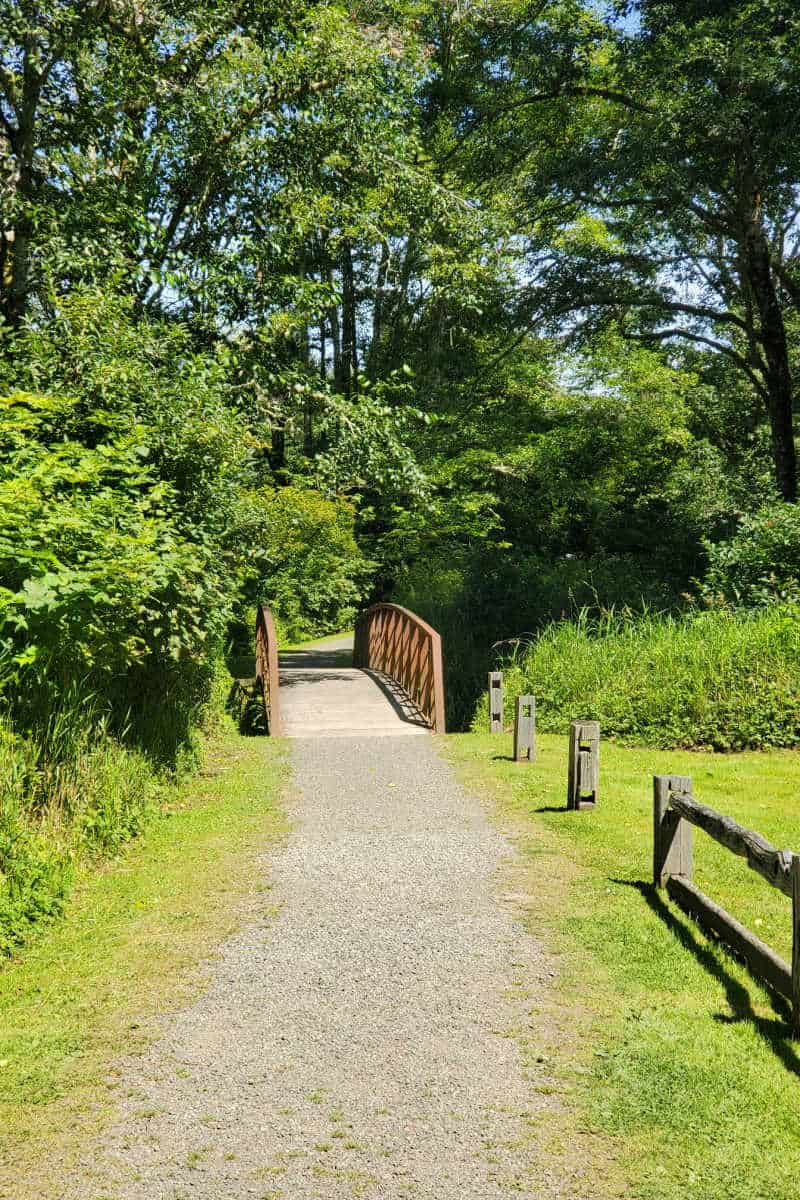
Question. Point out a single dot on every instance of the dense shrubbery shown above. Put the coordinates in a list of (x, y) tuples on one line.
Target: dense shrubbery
[(482, 599), (760, 564), (724, 679), (301, 558)]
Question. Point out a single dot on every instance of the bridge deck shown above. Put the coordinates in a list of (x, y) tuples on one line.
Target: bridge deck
[(323, 695)]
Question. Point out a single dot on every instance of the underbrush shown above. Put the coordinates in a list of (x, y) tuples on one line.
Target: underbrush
[(720, 679), (479, 599), (72, 796)]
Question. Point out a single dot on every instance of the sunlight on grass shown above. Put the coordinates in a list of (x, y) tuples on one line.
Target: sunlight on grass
[(128, 947), (683, 1060)]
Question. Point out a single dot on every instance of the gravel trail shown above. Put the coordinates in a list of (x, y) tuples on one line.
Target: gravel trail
[(361, 1041)]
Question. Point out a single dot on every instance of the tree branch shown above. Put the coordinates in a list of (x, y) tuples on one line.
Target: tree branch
[(728, 351)]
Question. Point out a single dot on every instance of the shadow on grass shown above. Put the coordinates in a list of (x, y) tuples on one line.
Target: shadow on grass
[(562, 808), (776, 1033)]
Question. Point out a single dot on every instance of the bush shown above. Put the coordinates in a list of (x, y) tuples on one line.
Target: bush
[(301, 558), (101, 587), (476, 599), (69, 795), (760, 563), (719, 679)]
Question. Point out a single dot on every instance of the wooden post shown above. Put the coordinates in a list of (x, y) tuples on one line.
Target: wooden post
[(525, 729), (495, 702), (796, 945), (584, 764), (672, 835)]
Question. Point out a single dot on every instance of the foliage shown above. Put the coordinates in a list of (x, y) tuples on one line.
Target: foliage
[(760, 564), (100, 583), (718, 679), (63, 797), (482, 602), (301, 558)]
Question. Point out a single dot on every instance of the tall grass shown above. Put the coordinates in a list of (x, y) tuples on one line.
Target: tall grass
[(68, 791), (721, 679)]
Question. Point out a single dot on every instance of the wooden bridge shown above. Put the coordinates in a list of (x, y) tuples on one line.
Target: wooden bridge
[(385, 681)]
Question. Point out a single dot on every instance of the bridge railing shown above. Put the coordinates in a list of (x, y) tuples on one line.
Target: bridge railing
[(267, 678), (397, 642)]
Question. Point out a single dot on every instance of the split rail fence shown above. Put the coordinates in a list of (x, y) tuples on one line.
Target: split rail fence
[(675, 812)]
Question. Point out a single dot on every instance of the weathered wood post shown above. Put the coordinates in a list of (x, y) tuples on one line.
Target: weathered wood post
[(672, 835), (525, 729), (584, 764), (495, 702), (796, 945)]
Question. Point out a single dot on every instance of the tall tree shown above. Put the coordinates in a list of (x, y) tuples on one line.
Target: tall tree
[(654, 171)]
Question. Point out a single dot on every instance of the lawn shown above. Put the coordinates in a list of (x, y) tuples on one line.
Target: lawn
[(681, 1065), (129, 946)]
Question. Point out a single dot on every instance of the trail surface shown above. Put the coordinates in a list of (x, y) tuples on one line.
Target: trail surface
[(361, 1042), (324, 695)]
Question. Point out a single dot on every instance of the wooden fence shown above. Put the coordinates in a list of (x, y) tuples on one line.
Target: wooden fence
[(675, 812), (267, 678), (397, 642)]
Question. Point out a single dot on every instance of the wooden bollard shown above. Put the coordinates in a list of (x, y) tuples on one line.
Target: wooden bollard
[(495, 702), (672, 836), (796, 945), (584, 764), (525, 729)]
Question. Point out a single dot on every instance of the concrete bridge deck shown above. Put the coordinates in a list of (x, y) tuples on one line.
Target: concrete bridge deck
[(323, 695)]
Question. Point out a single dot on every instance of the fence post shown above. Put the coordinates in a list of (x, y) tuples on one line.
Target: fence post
[(495, 702), (583, 775), (672, 836), (525, 729), (796, 945)]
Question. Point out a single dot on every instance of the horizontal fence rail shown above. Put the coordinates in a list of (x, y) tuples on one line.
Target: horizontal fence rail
[(675, 811), (267, 678), (397, 642)]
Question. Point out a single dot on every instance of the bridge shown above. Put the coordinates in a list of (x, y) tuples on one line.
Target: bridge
[(384, 681)]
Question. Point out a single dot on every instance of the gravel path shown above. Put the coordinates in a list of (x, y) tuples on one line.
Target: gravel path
[(361, 1042)]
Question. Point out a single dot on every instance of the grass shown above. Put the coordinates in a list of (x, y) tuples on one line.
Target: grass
[(716, 679), (681, 1065), (129, 946), (321, 642)]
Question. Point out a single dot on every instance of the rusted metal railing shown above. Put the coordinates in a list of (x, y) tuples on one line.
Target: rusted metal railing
[(403, 646), (267, 668)]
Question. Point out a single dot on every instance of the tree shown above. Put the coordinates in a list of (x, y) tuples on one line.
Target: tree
[(654, 174)]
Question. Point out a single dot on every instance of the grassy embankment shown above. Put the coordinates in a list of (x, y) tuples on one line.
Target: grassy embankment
[(127, 947), (716, 679), (669, 1054)]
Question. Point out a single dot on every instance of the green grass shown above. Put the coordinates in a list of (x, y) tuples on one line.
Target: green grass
[(669, 1055), (321, 642), (715, 679), (128, 947)]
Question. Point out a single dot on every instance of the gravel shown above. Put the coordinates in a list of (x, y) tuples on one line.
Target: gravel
[(365, 1039)]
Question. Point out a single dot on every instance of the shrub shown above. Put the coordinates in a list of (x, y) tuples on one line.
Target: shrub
[(761, 562), (475, 599), (101, 587), (301, 558), (718, 679), (70, 794)]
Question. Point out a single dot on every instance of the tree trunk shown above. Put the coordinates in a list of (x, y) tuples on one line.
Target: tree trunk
[(349, 347), (16, 299), (778, 375), (758, 274)]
